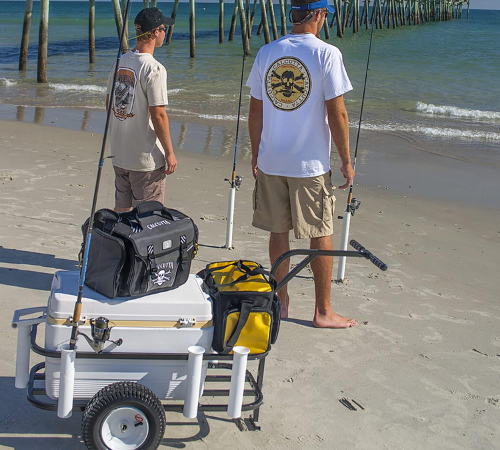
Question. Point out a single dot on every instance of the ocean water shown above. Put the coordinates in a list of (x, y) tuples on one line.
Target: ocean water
[(434, 82)]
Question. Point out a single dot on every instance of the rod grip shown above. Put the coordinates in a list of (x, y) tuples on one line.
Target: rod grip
[(77, 312), (368, 255)]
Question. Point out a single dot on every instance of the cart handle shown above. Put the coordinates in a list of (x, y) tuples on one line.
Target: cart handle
[(18, 321), (313, 253)]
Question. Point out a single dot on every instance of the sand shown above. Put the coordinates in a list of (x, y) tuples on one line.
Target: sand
[(423, 364)]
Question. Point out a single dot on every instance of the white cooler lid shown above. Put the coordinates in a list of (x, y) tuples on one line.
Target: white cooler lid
[(186, 301)]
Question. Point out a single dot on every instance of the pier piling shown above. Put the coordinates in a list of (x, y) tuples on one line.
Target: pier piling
[(192, 44), (92, 31), (43, 40), (232, 28), (23, 54), (383, 13), (221, 21), (171, 27)]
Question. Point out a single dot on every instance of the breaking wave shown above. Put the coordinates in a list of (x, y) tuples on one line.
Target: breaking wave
[(434, 131), (453, 111), (77, 87), (221, 117), (7, 82)]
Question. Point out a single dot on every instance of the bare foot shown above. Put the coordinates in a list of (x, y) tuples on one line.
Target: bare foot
[(332, 320), (285, 305)]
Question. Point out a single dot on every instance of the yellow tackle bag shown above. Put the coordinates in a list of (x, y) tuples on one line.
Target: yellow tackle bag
[(247, 310)]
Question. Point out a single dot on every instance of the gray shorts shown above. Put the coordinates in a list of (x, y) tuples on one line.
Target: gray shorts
[(305, 205), (133, 187)]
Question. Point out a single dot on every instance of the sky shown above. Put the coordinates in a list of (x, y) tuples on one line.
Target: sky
[(474, 4)]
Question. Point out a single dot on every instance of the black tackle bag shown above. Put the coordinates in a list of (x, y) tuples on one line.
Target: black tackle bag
[(146, 250), (247, 311)]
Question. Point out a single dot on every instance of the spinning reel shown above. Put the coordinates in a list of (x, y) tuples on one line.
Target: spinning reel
[(100, 331), (237, 182), (352, 207)]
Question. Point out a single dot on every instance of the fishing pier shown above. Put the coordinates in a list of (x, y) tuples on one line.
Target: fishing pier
[(257, 18)]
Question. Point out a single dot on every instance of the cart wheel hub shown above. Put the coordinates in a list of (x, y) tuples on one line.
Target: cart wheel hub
[(121, 431)]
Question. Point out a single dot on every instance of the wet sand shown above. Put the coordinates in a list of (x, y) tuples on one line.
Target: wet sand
[(422, 366)]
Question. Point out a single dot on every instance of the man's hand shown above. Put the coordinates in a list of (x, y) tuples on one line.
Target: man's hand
[(171, 162), (255, 124), (254, 166), (348, 173), (162, 131), (339, 129)]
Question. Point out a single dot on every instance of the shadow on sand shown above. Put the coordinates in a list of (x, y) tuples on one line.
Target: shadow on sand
[(28, 278), (24, 427)]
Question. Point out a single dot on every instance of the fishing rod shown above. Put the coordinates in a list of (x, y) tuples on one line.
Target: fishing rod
[(75, 322), (353, 203), (235, 181)]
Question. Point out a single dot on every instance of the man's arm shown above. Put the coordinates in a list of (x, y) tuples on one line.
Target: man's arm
[(255, 123), (339, 128), (162, 130)]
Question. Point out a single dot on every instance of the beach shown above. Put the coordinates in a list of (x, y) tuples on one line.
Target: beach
[(422, 365), (421, 368)]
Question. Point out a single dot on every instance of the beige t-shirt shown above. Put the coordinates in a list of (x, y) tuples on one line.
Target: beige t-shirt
[(141, 82)]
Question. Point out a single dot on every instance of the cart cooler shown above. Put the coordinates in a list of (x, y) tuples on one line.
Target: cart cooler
[(165, 322)]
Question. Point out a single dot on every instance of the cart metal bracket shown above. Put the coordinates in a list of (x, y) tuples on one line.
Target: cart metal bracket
[(17, 320)]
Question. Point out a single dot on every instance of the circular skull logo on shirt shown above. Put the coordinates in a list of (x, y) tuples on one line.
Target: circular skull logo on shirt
[(288, 83)]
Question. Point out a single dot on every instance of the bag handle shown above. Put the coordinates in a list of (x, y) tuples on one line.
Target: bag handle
[(144, 208), (248, 272), (246, 308)]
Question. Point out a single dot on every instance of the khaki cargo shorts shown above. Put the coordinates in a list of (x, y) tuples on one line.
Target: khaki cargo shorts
[(133, 187), (305, 205)]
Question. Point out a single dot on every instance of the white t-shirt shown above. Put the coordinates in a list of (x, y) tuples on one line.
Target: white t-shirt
[(141, 82), (293, 76)]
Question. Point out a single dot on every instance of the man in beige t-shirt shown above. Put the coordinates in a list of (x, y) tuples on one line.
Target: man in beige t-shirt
[(141, 148)]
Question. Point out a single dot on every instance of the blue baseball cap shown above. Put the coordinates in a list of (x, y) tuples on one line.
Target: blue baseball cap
[(312, 6)]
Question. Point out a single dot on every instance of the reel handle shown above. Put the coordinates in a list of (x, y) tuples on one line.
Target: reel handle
[(368, 255)]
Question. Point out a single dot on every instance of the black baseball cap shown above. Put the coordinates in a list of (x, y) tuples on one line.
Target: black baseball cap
[(150, 18)]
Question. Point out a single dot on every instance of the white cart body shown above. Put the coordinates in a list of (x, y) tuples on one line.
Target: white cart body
[(164, 322)]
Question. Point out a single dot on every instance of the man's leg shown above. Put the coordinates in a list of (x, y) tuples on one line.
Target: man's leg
[(148, 186), (123, 190), (322, 267), (279, 244)]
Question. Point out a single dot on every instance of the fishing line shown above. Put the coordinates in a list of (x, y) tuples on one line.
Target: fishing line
[(88, 236), (353, 203), (349, 197), (235, 181)]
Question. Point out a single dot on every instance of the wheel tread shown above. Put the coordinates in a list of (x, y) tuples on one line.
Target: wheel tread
[(115, 392)]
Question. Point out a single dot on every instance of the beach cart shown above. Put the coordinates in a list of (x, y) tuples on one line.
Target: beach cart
[(139, 357)]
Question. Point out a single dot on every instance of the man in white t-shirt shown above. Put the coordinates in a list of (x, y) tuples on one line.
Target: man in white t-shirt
[(141, 148), (296, 86)]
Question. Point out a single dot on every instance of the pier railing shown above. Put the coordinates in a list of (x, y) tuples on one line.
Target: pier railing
[(348, 14)]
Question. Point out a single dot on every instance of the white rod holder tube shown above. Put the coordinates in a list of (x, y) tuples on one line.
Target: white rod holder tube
[(23, 356), (66, 382), (343, 245), (237, 381), (195, 362), (230, 218)]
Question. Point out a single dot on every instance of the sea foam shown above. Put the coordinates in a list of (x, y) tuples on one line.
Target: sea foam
[(221, 117), (453, 111), (433, 131), (7, 82), (77, 87)]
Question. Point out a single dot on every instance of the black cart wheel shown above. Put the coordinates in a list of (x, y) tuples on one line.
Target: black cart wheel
[(123, 416)]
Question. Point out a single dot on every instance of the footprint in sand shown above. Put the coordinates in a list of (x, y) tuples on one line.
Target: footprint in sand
[(211, 217), (433, 337), (310, 439), (496, 342)]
